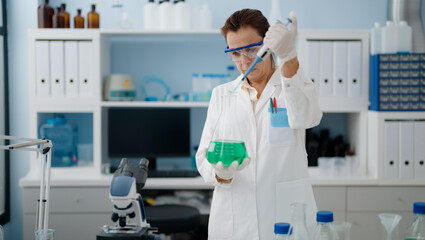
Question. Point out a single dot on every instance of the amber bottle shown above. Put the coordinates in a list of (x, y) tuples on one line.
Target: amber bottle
[(45, 15), (78, 20), (65, 15), (58, 19), (93, 18)]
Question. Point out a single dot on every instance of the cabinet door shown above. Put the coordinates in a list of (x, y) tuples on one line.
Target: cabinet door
[(332, 199)]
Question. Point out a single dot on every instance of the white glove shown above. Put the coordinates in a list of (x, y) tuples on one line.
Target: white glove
[(228, 173), (281, 40)]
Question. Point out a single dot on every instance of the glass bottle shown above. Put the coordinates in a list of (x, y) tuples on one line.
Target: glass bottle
[(58, 19), (78, 20), (93, 18), (324, 229), (389, 223), (227, 144), (45, 15), (299, 227), (281, 231), (66, 15), (416, 229)]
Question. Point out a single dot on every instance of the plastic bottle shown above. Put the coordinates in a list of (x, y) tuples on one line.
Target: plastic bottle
[(416, 229), (376, 39), (45, 15), (65, 15), (150, 13), (181, 15), (205, 17), (165, 13), (404, 37), (389, 38), (93, 18), (78, 20), (281, 231), (324, 230)]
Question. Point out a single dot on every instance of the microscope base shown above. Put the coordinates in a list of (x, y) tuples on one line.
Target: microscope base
[(123, 234)]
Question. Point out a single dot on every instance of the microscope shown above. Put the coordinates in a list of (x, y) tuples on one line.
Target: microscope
[(129, 212)]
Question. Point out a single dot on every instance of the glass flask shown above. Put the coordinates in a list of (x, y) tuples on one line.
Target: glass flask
[(78, 20), (48, 234), (65, 15), (227, 144), (389, 225), (299, 227), (416, 229), (58, 19), (45, 15), (93, 18)]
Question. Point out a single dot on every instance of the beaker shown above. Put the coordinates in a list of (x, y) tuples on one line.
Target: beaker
[(298, 224), (342, 229), (389, 225), (227, 144), (47, 234)]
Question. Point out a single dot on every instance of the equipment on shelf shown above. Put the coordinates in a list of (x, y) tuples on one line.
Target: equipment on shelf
[(119, 87), (129, 211)]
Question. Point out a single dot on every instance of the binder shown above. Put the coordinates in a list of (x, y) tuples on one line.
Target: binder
[(391, 149), (340, 68), (354, 84), (85, 63), (71, 69), (326, 64), (313, 62), (57, 68), (406, 146), (42, 70), (419, 165)]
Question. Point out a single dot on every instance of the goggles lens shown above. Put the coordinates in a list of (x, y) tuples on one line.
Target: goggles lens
[(250, 51)]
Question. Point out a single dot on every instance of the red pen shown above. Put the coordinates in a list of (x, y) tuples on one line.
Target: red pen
[(274, 104)]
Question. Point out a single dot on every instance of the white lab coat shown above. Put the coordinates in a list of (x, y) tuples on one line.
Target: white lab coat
[(261, 194)]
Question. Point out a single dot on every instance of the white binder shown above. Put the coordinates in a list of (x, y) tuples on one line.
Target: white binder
[(42, 71), (340, 68), (313, 62), (326, 64), (354, 85), (391, 149), (85, 63), (406, 146), (419, 146), (57, 68), (71, 69)]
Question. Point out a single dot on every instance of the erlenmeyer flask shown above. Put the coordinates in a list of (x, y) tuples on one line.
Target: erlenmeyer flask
[(390, 225), (227, 144), (298, 224)]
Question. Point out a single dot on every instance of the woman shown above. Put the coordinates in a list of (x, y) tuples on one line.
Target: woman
[(249, 199)]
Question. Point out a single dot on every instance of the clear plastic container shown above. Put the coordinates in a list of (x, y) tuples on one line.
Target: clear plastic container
[(375, 39), (63, 137), (281, 231), (416, 229), (404, 37), (389, 38), (324, 229)]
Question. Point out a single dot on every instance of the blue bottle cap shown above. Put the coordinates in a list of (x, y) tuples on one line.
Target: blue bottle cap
[(325, 216), (419, 207), (56, 121), (281, 228)]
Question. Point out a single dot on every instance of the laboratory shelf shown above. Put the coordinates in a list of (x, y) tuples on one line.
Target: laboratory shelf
[(155, 104)]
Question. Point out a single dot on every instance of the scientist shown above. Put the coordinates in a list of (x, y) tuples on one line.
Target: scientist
[(249, 199)]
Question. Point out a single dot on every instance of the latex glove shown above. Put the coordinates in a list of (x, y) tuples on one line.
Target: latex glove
[(228, 173), (281, 40)]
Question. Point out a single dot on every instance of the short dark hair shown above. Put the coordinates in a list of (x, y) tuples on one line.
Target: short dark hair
[(246, 17)]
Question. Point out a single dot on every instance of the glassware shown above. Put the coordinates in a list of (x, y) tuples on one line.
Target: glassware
[(117, 9), (78, 20), (299, 227), (227, 144), (416, 229), (45, 15), (47, 234), (65, 15), (93, 18), (58, 19), (281, 231), (324, 229), (389, 225), (342, 229)]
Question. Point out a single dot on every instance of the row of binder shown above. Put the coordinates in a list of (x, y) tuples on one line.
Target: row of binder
[(335, 67), (63, 68), (404, 151)]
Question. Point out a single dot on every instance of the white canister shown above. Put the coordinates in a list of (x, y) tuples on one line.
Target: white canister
[(181, 15), (150, 13), (376, 39), (165, 13), (404, 37), (389, 38)]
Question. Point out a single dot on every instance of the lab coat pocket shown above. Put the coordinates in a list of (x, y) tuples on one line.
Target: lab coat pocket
[(221, 215), (290, 192), (279, 130)]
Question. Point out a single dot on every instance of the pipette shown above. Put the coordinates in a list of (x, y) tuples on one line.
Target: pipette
[(262, 54)]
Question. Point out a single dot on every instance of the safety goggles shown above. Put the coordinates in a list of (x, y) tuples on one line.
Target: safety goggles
[(250, 51)]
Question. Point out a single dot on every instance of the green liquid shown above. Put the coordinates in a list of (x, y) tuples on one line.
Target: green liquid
[(226, 152), (415, 239)]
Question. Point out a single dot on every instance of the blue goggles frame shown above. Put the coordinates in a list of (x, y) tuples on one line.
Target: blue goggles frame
[(240, 48)]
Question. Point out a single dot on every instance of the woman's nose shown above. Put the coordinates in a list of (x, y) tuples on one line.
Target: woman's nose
[(246, 61)]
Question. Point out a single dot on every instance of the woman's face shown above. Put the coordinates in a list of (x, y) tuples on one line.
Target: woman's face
[(243, 37)]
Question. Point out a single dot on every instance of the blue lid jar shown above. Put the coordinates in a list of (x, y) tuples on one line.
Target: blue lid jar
[(419, 208), (281, 228), (325, 216)]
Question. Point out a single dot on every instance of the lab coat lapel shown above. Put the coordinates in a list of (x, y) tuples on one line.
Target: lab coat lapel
[(268, 91)]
